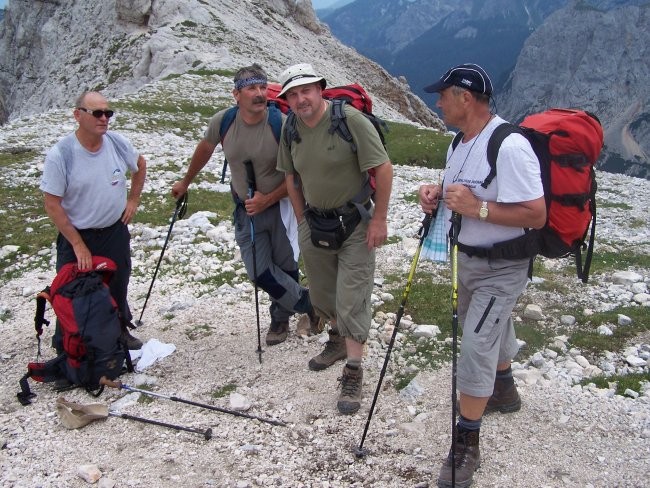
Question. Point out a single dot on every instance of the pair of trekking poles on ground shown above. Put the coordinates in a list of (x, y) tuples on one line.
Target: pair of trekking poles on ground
[(360, 451)]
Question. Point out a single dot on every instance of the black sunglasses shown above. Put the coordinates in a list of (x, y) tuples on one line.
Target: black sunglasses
[(98, 113)]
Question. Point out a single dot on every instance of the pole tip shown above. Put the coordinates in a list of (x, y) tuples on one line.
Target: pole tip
[(360, 452), (138, 323)]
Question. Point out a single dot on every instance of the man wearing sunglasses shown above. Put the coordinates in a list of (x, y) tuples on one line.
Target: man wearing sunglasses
[(85, 193)]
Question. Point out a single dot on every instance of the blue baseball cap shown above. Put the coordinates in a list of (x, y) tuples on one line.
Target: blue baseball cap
[(470, 76)]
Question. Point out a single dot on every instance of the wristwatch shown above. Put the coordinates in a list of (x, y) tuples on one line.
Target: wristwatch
[(483, 211)]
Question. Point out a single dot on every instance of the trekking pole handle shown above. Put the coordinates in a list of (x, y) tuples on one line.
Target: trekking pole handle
[(250, 178)]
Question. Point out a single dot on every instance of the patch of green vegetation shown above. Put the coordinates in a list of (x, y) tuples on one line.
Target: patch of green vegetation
[(144, 398), (535, 336), (16, 158), (413, 197), (613, 261), (637, 223), (204, 72), (118, 73), (633, 381), (214, 281), (199, 331), (427, 303), (623, 206), (392, 240), (593, 343), (156, 107), (412, 146), (224, 390), (157, 210), (23, 222), (5, 315), (188, 23)]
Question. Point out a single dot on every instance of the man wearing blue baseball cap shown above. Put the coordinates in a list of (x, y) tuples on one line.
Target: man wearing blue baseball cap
[(492, 208)]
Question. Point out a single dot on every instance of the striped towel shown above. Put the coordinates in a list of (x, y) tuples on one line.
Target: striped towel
[(435, 245)]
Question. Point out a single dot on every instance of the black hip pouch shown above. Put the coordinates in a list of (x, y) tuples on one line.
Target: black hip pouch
[(330, 232)]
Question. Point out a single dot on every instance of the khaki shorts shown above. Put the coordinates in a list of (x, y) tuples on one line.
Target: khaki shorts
[(341, 281)]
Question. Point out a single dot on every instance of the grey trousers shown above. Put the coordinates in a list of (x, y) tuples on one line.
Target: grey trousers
[(277, 271)]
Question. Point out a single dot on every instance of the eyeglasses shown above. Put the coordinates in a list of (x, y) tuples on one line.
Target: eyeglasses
[(98, 113)]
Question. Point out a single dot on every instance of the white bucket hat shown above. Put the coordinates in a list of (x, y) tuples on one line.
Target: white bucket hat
[(299, 74)]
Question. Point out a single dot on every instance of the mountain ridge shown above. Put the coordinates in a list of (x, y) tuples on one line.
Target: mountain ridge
[(47, 59)]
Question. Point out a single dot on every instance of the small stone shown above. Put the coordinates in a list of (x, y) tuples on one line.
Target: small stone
[(89, 473), (567, 320), (533, 312), (624, 320)]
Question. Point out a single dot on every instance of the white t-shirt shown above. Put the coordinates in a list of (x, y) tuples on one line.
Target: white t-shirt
[(518, 179), (92, 184)]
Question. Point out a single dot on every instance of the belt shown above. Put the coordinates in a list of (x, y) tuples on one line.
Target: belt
[(102, 229), (331, 213)]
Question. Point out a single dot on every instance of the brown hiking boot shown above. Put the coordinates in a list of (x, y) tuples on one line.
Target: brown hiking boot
[(505, 398), (467, 460), (277, 333), (350, 397), (334, 350), (310, 326), (132, 343)]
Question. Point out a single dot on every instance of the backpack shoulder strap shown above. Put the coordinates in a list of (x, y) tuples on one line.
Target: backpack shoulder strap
[(457, 138), (275, 120), (226, 122), (494, 144), (291, 134), (339, 122)]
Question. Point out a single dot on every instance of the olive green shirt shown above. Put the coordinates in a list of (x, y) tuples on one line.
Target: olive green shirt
[(330, 172)]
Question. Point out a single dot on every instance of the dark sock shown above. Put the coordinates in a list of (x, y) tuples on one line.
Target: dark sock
[(467, 425), (354, 364)]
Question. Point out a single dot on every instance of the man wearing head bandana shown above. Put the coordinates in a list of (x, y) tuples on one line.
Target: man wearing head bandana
[(272, 261)]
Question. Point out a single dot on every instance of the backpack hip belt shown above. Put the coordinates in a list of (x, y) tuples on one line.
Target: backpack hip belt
[(522, 247)]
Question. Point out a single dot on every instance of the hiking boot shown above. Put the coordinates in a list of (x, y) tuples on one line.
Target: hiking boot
[(132, 343), (310, 325), (350, 397), (277, 333), (334, 350), (467, 460), (505, 398)]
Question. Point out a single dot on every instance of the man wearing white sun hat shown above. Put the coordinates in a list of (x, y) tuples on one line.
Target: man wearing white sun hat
[(339, 227)]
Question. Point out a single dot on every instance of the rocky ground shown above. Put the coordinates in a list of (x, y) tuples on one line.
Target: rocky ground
[(565, 435)]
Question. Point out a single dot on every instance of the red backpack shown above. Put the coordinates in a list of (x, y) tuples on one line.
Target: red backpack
[(90, 328), (567, 143)]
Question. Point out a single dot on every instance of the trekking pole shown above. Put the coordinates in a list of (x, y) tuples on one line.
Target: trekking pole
[(426, 223), (207, 434), (123, 386), (250, 179), (179, 212), (455, 230)]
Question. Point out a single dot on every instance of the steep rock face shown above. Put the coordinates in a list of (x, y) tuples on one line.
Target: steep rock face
[(598, 59), (421, 39), (52, 50)]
